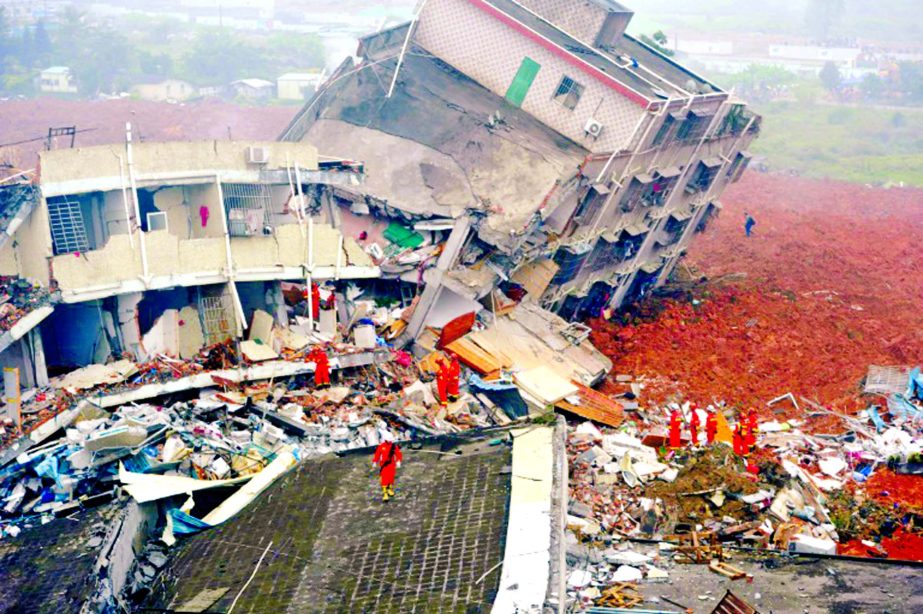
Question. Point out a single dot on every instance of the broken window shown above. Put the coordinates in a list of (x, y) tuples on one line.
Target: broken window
[(570, 260), (68, 229), (591, 204), (704, 175), (738, 166), (693, 128), (217, 318), (249, 208), (568, 93), (667, 129)]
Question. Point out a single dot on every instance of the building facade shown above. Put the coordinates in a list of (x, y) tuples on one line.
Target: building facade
[(663, 142), (199, 233)]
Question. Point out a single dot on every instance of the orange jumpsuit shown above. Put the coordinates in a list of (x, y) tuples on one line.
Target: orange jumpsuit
[(738, 441), (454, 372), (322, 370), (694, 427), (442, 382), (387, 456), (751, 430), (675, 439), (711, 427), (315, 301)]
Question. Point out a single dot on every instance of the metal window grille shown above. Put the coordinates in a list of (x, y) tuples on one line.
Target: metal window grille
[(68, 232), (568, 93), (216, 322), (248, 206)]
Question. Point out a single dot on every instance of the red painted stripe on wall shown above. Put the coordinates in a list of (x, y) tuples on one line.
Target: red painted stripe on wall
[(561, 53)]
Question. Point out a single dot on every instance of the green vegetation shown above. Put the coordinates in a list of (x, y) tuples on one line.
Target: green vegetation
[(861, 144), (108, 58)]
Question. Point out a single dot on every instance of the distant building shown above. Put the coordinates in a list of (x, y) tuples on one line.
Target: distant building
[(57, 80), (253, 89), (161, 88), (298, 85)]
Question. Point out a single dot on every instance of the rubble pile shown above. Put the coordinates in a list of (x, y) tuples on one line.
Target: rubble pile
[(855, 491), (18, 297), (800, 306), (220, 433)]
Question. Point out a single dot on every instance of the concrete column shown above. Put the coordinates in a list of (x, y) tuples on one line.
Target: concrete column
[(129, 329), (450, 253), (39, 368)]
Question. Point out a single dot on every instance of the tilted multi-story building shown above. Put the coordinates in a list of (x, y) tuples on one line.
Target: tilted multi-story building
[(584, 159)]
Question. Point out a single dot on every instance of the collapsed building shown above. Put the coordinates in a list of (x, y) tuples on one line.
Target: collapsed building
[(496, 172), (583, 160)]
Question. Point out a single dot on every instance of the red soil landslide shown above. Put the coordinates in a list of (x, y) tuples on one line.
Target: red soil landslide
[(833, 283)]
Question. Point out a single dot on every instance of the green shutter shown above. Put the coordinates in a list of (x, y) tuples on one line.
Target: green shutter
[(522, 81)]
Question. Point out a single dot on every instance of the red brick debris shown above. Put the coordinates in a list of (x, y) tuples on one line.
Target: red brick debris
[(829, 284)]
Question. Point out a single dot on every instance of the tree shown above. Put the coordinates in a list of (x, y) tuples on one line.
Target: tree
[(41, 41), (822, 15), (872, 86), (830, 76), (218, 57), (657, 40)]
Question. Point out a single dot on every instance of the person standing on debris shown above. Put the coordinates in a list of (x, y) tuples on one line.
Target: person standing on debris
[(675, 439), (738, 440), (694, 424), (315, 301), (388, 458), (322, 367), (453, 375), (752, 427), (749, 223), (442, 382), (711, 427)]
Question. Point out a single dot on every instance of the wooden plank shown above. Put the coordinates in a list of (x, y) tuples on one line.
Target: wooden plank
[(594, 406), (473, 356), (455, 329)]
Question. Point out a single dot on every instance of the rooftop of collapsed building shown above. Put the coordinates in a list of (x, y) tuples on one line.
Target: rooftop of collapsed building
[(469, 156)]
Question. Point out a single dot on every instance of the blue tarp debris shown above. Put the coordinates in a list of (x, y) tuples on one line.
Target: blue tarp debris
[(504, 394)]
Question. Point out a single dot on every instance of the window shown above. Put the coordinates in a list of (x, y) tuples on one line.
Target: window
[(157, 221), (737, 168), (704, 176), (568, 93), (665, 129), (693, 128)]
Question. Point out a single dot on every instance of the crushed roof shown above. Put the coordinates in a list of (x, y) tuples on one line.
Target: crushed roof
[(337, 547), (50, 569)]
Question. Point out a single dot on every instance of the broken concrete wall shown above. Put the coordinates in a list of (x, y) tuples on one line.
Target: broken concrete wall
[(34, 246), (116, 261)]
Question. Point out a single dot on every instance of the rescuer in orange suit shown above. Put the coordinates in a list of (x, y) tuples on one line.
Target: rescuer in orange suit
[(752, 427), (675, 439), (388, 459), (322, 368), (442, 382), (694, 424), (315, 301), (453, 374), (711, 427), (738, 441)]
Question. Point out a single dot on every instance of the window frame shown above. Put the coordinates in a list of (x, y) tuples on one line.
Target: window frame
[(567, 88)]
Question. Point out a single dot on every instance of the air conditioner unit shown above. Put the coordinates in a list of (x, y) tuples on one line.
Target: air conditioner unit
[(593, 128), (257, 155)]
